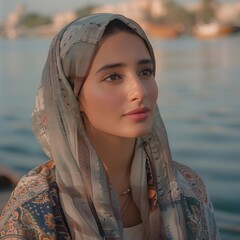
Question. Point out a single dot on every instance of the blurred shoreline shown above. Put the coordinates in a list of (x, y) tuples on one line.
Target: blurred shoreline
[(158, 18)]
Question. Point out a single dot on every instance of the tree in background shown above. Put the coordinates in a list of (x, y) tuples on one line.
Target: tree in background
[(34, 20), (206, 13)]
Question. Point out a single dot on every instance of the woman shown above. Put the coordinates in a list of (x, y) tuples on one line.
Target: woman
[(111, 175)]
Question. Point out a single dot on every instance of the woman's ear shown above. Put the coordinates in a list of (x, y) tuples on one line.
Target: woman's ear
[(80, 100), (80, 106), (77, 84)]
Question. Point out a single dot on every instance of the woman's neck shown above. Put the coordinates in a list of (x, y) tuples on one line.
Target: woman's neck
[(116, 154)]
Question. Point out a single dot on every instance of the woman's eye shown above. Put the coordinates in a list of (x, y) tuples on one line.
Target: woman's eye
[(146, 72), (112, 77)]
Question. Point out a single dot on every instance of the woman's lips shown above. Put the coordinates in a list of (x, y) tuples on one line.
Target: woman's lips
[(138, 114)]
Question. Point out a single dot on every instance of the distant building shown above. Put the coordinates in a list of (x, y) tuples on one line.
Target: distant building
[(224, 12), (62, 19), (229, 12), (12, 20), (135, 9)]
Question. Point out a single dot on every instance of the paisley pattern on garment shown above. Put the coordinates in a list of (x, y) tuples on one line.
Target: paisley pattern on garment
[(34, 210)]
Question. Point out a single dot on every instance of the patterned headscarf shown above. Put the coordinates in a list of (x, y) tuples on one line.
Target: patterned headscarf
[(88, 202)]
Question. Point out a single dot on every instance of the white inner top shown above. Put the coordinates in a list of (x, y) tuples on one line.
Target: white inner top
[(135, 232)]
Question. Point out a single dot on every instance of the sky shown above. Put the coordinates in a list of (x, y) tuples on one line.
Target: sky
[(48, 7)]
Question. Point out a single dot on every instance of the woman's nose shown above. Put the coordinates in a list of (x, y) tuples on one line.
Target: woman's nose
[(137, 90)]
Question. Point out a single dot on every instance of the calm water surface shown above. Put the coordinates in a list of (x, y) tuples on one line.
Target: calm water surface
[(199, 99)]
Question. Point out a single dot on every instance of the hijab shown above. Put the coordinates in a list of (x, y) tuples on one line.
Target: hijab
[(88, 201)]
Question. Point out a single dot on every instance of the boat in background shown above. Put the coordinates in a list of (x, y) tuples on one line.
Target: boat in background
[(212, 30), (163, 31)]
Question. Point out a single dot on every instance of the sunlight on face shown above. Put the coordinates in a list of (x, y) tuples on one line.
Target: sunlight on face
[(119, 94)]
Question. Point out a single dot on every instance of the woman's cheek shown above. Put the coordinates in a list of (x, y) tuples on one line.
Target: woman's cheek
[(153, 91), (108, 101)]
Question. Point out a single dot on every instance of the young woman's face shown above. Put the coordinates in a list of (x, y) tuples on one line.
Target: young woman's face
[(119, 94)]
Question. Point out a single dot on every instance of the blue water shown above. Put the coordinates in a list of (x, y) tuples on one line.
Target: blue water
[(199, 99)]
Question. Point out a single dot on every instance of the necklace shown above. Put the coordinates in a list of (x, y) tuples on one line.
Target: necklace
[(124, 198), (125, 192)]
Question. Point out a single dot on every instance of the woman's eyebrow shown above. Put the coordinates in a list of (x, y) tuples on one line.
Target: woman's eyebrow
[(117, 65), (145, 61), (109, 66)]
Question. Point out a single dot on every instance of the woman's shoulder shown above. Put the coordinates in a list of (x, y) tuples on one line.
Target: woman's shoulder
[(35, 182), (190, 181), (196, 201), (33, 205)]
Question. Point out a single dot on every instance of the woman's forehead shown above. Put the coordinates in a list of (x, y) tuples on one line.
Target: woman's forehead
[(122, 45)]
